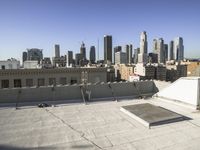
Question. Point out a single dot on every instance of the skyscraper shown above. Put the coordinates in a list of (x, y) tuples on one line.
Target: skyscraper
[(117, 49), (171, 49), (158, 47), (83, 50), (165, 52), (78, 59), (120, 57), (92, 54), (34, 54), (143, 43), (24, 56), (69, 58), (107, 48), (57, 50), (142, 56), (155, 45), (129, 52), (153, 57), (135, 57), (178, 51)]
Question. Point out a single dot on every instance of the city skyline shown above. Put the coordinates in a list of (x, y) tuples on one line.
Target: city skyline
[(35, 24)]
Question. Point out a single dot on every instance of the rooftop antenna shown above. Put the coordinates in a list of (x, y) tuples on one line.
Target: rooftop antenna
[(98, 47)]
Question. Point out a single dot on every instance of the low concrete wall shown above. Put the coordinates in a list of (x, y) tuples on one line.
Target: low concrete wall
[(73, 92), (100, 91), (161, 84)]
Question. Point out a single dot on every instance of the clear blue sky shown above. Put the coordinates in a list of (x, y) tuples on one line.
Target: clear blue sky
[(43, 23)]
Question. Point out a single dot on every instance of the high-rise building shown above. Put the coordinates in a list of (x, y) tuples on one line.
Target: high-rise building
[(78, 59), (57, 50), (46, 63), (171, 49), (24, 56), (135, 56), (129, 52), (165, 52), (120, 58), (160, 50), (153, 57), (83, 50), (117, 49), (69, 58), (108, 48), (58, 60), (155, 45), (143, 42), (178, 51), (158, 47), (142, 56), (92, 54), (34, 54)]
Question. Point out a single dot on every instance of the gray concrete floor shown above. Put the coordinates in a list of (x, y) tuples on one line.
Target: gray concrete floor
[(99, 125)]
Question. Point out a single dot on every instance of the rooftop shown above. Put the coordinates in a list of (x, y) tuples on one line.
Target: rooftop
[(97, 125)]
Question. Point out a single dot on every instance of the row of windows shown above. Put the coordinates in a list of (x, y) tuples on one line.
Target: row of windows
[(40, 82)]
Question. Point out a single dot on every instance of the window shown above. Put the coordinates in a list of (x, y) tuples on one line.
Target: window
[(29, 82), (52, 81), (17, 83), (3, 67), (41, 82), (63, 81), (73, 80), (4, 83)]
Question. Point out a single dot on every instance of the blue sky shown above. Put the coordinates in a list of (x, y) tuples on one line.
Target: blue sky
[(43, 23)]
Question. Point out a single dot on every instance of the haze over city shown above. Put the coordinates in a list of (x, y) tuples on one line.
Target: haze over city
[(41, 24)]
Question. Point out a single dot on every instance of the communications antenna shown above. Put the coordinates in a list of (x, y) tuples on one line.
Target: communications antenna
[(98, 48)]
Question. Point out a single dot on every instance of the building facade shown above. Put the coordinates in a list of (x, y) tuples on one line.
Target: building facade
[(129, 53), (143, 42), (144, 71), (135, 56), (153, 58), (108, 48), (117, 49), (57, 50), (92, 54), (160, 73), (166, 57), (176, 71), (142, 56), (193, 68), (126, 71), (35, 54), (45, 77), (24, 56), (83, 50), (70, 58), (158, 47), (178, 51), (9, 64), (120, 58), (171, 50)]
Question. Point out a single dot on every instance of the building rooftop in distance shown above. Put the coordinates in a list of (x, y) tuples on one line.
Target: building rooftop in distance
[(98, 125)]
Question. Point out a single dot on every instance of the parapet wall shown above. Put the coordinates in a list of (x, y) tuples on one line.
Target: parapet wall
[(89, 92)]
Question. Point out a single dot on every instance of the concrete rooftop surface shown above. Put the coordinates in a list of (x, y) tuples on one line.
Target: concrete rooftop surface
[(97, 125)]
